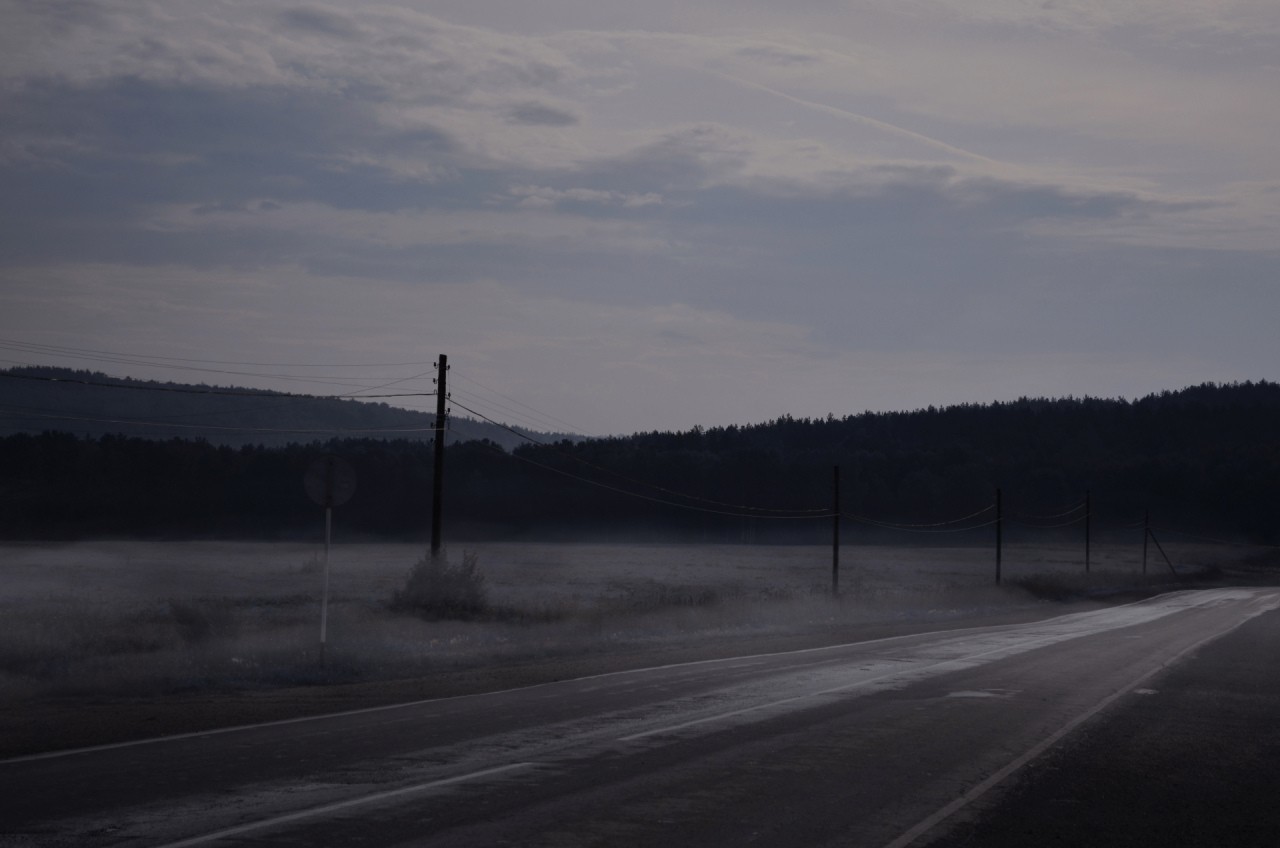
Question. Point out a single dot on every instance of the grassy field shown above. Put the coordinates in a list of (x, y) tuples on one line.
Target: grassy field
[(143, 618)]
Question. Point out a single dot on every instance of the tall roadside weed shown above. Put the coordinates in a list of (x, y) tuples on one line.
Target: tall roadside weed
[(436, 588)]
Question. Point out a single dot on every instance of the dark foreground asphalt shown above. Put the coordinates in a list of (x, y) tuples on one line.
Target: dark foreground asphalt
[(1195, 761)]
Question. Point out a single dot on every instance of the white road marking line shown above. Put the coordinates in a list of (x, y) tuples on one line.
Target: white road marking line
[(340, 805), (174, 737), (1024, 647), (983, 693), (985, 786)]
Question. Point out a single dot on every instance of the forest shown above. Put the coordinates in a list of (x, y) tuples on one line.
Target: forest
[(1203, 460)]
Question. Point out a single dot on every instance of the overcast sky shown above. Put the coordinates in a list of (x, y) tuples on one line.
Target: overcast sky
[(649, 215)]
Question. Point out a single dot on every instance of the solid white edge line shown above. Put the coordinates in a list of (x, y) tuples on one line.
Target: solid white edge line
[(340, 805), (985, 786), (195, 734)]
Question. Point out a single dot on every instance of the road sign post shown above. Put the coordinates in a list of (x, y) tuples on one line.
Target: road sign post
[(330, 481)]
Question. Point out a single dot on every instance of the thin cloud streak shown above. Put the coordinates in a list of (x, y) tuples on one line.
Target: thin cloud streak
[(934, 143)]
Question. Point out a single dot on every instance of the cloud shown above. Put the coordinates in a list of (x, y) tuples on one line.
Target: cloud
[(537, 114), (1166, 17), (775, 55), (884, 183), (617, 367), (542, 196), (320, 21), (385, 51)]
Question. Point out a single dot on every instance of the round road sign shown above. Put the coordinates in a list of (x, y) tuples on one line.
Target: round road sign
[(330, 481)]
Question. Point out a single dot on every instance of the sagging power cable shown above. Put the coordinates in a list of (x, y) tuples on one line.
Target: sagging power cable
[(1052, 516), (90, 353), (1197, 537), (222, 428), (648, 498), (905, 526), (741, 510), (191, 390), (149, 362), (555, 423)]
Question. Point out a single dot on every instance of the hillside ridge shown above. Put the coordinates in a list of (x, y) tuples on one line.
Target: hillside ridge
[(91, 403)]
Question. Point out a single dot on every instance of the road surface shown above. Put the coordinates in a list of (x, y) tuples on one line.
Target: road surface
[(911, 740)]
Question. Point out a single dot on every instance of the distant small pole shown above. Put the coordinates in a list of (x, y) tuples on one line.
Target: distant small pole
[(437, 479), (324, 598), (835, 534), (999, 534), (1088, 520), (1146, 538), (1160, 548)]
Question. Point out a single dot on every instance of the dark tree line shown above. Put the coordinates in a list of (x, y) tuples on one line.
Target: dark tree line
[(1206, 459)]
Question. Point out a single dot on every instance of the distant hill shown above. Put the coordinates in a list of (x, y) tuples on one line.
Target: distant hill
[(90, 403)]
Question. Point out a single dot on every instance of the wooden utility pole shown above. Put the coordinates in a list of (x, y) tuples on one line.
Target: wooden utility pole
[(324, 598), (1160, 548), (1088, 518), (437, 478), (999, 534), (835, 535), (1146, 537)]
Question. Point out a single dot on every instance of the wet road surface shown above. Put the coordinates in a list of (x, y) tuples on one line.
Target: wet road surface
[(894, 742)]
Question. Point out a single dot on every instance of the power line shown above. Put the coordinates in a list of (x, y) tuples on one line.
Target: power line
[(280, 399), (132, 359), (1033, 526), (191, 390), (769, 511), (1215, 540), (639, 496), (1079, 506), (908, 528), (284, 397), (219, 427), (388, 384), (508, 412), (537, 412), (904, 526), (9, 342)]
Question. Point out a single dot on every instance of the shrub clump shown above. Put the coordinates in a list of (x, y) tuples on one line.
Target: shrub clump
[(436, 588), (197, 622)]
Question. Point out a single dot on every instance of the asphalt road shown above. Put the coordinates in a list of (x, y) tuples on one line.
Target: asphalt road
[(912, 740), (1192, 760)]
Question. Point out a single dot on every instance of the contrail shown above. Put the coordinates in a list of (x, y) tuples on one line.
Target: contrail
[(862, 119)]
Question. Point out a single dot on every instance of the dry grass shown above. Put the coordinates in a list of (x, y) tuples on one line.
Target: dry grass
[(123, 618)]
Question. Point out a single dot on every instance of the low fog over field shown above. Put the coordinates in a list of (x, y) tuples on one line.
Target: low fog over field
[(121, 618)]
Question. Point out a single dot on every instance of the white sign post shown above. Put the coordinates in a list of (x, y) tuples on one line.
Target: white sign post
[(330, 481)]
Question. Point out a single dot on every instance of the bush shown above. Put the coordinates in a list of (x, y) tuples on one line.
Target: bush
[(199, 621), (435, 588)]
